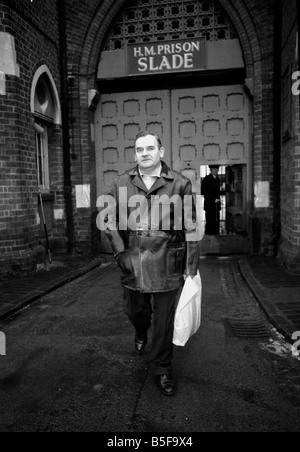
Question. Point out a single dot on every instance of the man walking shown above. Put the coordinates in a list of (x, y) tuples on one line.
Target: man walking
[(212, 204), (154, 254)]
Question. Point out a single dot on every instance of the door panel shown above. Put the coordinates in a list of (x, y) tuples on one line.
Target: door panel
[(119, 118), (236, 189), (210, 126), (213, 126), (198, 127)]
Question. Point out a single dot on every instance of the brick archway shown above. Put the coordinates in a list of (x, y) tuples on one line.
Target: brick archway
[(256, 55), (109, 10), (244, 21)]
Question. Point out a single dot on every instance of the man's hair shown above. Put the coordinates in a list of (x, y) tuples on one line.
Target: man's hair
[(145, 133)]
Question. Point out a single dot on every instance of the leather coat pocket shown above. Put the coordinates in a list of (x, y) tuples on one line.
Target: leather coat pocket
[(176, 259)]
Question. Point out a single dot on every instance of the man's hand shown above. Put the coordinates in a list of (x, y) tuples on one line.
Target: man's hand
[(192, 259), (187, 274)]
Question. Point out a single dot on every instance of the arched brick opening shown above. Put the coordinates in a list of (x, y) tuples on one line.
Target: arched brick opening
[(107, 12), (240, 16), (245, 20)]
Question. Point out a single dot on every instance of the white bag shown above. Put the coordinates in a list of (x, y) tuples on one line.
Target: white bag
[(188, 314)]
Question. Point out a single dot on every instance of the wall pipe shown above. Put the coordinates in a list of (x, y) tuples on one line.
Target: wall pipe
[(277, 94), (65, 125)]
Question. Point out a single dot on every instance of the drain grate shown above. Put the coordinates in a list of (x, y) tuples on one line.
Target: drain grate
[(248, 328)]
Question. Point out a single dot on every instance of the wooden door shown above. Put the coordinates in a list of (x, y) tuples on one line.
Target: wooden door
[(210, 126)]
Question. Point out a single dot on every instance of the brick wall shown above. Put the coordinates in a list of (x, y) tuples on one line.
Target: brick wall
[(35, 30), (263, 17), (80, 17), (290, 158)]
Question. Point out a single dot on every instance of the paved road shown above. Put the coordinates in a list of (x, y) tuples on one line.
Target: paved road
[(70, 365)]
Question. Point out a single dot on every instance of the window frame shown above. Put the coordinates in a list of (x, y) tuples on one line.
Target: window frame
[(42, 157)]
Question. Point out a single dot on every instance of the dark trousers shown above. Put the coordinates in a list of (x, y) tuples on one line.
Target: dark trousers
[(212, 221), (139, 310)]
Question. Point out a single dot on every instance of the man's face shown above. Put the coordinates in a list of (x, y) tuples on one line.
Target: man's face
[(215, 171), (148, 154)]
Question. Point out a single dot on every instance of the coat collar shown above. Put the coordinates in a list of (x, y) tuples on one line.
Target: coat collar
[(166, 174)]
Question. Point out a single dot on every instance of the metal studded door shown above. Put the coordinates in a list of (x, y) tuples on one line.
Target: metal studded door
[(119, 118), (210, 126), (198, 127), (213, 126)]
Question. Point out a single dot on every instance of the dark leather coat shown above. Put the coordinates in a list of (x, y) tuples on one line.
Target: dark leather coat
[(153, 259)]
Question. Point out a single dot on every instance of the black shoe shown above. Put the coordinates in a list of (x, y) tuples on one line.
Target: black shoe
[(140, 344), (166, 385)]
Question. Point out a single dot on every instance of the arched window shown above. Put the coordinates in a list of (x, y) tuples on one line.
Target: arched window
[(43, 100), (42, 156), (44, 90), (45, 107), (164, 20)]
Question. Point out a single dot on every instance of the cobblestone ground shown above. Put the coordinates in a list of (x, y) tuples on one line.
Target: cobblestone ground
[(71, 365)]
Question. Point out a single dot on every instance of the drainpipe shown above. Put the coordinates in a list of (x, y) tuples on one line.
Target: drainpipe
[(65, 125), (277, 123)]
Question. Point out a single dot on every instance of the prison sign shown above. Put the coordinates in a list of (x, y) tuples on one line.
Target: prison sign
[(167, 56)]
